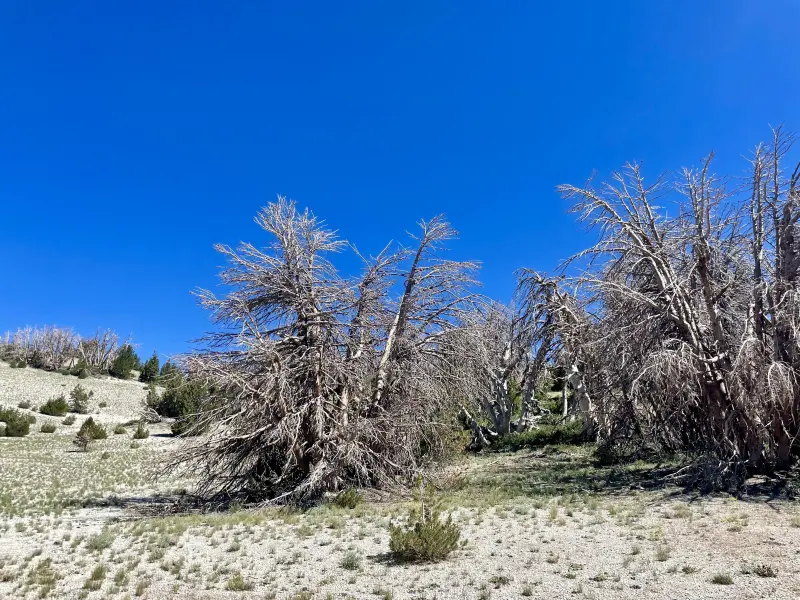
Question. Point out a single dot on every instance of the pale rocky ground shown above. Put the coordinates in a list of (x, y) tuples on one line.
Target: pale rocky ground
[(538, 525)]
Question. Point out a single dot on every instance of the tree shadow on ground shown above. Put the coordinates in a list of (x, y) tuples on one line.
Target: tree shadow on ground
[(559, 471)]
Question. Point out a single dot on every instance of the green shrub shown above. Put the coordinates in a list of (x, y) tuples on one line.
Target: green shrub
[(37, 360), (152, 400), (80, 400), (81, 365), (93, 430), (181, 401), (570, 433), (119, 430), (48, 428), (22, 364), (141, 433), (83, 374), (125, 361), (17, 424), (103, 404), (181, 398), (55, 407), (24, 404), (62, 371), (351, 561), (425, 537), (70, 420), (349, 498)]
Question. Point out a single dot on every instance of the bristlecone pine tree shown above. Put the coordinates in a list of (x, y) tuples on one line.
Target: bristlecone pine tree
[(319, 382), (149, 370), (125, 361)]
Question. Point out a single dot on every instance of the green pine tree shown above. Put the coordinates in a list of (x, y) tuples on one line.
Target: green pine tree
[(149, 370), (125, 361), (170, 374)]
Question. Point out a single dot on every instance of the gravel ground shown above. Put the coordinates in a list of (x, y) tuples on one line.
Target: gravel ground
[(76, 524)]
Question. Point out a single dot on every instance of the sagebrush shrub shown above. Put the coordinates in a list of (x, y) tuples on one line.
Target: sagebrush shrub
[(119, 430), (55, 407), (24, 404), (70, 420), (48, 428)]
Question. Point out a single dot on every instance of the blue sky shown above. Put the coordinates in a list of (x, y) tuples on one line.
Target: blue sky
[(135, 135)]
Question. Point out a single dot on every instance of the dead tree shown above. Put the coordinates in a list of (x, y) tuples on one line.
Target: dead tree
[(319, 381), (505, 349), (693, 328)]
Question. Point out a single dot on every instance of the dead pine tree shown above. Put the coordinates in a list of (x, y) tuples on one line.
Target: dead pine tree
[(318, 381)]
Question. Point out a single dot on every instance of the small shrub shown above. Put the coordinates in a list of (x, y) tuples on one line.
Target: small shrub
[(24, 404), (764, 571), (93, 430), (17, 424), (349, 498), (688, 569), (141, 433), (135, 445), (424, 539), (351, 561), (722, 579), (83, 373), (48, 428), (103, 404), (237, 583), (80, 399), (119, 430), (69, 420), (62, 371), (81, 365), (55, 407), (100, 541)]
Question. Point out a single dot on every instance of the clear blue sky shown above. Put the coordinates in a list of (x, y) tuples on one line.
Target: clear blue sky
[(134, 135)]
